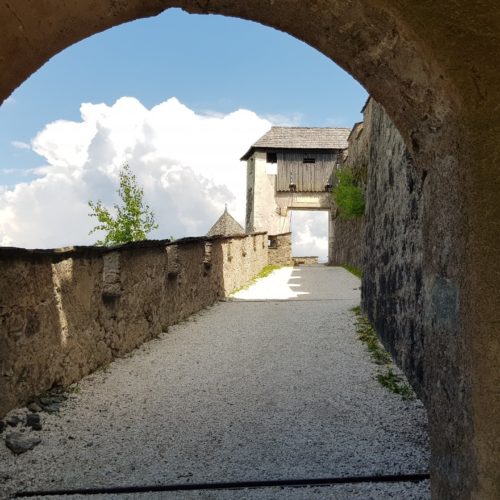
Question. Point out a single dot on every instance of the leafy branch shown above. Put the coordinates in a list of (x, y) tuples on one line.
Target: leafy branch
[(133, 219)]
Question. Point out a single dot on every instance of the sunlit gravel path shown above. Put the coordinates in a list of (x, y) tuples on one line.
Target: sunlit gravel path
[(272, 384)]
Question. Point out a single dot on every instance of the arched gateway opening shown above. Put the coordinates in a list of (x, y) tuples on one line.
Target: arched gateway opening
[(429, 65)]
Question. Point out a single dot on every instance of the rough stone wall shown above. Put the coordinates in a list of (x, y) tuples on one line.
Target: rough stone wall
[(242, 258), (346, 240), (346, 236), (386, 243), (64, 313), (280, 253), (392, 267)]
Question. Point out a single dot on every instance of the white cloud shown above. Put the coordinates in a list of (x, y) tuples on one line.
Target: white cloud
[(293, 120), (310, 234), (187, 163), (20, 145)]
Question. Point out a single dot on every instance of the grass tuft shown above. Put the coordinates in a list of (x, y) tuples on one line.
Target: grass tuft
[(396, 384), (353, 270), (386, 376)]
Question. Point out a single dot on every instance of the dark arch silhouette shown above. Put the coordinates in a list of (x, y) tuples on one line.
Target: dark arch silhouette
[(433, 66)]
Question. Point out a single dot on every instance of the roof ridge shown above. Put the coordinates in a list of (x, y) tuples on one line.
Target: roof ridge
[(302, 138)]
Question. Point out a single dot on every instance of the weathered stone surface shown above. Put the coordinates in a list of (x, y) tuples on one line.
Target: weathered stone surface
[(51, 408), (396, 293), (387, 243), (34, 421), (347, 241), (13, 420), (34, 407), (20, 443), (67, 294), (280, 249), (111, 282), (52, 399), (346, 236), (393, 246)]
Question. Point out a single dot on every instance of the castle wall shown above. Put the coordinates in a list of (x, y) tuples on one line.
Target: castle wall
[(346, 243), (280, 249), (386, 243), (66, 312), (392, 291)]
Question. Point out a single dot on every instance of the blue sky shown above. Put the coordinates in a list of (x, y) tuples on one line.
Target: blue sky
[(210, 63), (180, 98)]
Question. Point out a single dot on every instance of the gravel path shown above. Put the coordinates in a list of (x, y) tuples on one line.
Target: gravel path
[(262, 387)]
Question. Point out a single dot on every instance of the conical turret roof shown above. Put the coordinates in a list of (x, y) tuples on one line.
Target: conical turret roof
[(226, 226)]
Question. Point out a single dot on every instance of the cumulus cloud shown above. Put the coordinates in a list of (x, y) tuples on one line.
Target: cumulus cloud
[(310, 234), (187, 163), (20, 145)]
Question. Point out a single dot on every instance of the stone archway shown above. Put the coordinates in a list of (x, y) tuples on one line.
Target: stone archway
[(432, 66)]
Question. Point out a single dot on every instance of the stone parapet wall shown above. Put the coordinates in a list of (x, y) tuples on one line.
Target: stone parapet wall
[(280, 249), (65, 312), (305, 261), (242, 259)]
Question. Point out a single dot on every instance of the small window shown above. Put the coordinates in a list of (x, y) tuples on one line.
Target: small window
[(271, 169), (272, 158), (272, 242), (309, 160)]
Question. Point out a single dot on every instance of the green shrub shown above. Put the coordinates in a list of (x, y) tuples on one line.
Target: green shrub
[(348, 196)]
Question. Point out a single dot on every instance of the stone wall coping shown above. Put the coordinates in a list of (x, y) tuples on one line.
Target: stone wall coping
[(12, 253), (280, 234), (234, 236)]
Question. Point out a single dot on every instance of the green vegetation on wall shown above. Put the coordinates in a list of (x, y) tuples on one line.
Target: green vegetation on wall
[(347, 195), (387, 375)]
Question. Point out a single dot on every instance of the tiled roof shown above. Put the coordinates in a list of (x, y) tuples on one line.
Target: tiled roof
[(301, 138), (226, 226)]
